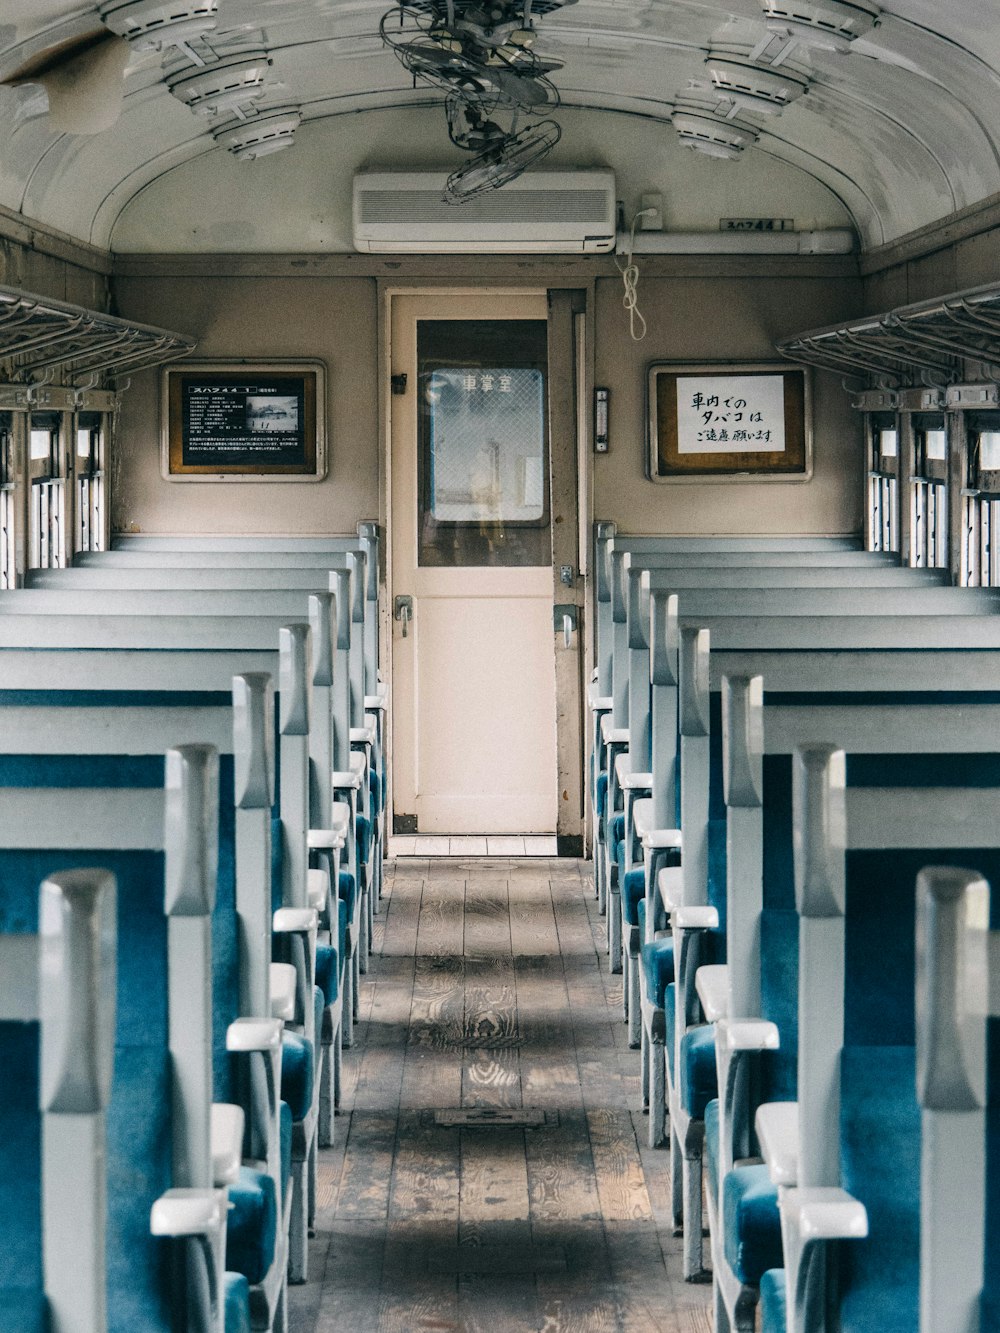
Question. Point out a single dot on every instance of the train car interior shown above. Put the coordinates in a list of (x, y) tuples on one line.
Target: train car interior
[(499, 685)]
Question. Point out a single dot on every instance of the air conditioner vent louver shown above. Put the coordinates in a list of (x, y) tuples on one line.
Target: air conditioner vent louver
[(754, 87), (827, 25), (541, 212), (237, 80), (269, 131), (710, 135)]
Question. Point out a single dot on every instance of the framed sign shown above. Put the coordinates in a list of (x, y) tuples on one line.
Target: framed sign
[(244, 421), (729, 421)]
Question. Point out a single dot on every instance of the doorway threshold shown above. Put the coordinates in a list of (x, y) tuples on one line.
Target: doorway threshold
[(466, 845)]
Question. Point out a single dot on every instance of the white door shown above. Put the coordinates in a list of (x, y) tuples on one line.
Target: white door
[(473, 676)]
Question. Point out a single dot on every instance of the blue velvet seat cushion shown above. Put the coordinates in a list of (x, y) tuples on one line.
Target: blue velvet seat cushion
[(21, 1284), (347, 888), (670, 1023), (237, 1303), (297, 1073), (327, 972), (277, 862), (712, 1148), (363, 832), (699, 1080), (751, 1223), (375, 789), (773, 1302), (617, 833), (342, 930), (880, 1165), (252, 1227), (658, 969), (633, 892), (602, 795)]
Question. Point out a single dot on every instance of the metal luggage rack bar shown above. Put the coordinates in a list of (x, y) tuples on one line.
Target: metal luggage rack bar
[(43, 341), (930, 343)]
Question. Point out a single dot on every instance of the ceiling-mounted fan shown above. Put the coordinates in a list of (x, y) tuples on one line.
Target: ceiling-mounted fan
[(502, 162)]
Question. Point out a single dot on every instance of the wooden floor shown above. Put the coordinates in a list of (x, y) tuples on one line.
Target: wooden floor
[(489, 991)]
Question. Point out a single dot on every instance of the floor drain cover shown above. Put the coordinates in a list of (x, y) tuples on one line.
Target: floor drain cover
[(499, 1117)]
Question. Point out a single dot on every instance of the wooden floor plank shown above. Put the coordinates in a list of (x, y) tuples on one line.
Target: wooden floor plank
[(490, 988)]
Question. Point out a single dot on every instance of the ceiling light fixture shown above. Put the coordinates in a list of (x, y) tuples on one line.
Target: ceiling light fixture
[(268, 131), (150, 25), (226, 85), (754, 87), (710, 135), (825, 25)]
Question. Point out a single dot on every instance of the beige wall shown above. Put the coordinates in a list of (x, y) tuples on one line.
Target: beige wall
[(715, 319), (333, 320)]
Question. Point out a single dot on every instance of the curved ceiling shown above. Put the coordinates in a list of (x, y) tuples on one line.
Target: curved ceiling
[(896, 133)]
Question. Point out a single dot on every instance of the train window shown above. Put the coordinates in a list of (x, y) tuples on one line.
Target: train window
[(883, 482), (981, 502), (929, 493), (482, 442), (90, 481), (8, 501), (47, 529)]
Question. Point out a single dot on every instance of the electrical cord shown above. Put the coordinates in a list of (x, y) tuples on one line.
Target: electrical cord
[(630, 278)]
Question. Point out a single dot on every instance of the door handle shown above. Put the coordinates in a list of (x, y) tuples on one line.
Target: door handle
[(564, 617), (402, 610)]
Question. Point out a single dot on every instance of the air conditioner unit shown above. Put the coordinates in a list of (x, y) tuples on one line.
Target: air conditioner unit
[(541, 212)]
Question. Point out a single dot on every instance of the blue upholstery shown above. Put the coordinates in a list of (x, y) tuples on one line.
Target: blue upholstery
[(773, 1302), (277, 862), (779, 946), (633, 892), (327, 975), (712, 1146), (348, 890), (699, 1081), (225, 938), (670, 1021), (363, 831), (880, 1165), (617, 830), (237, 1303), (752, 1225), (658, 968), (297, 1072), (602, 795), (21, 1282), (252, 1227), (285, 1143), (342, 929), (375, 790)]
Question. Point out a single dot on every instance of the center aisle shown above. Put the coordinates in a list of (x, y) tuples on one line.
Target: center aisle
[(488, 990)]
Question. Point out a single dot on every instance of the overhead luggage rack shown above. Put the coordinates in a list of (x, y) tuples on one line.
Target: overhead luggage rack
[(43, 341), (931, 342)]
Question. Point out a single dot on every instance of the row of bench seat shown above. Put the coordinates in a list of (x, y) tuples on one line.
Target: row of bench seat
[(795, 761), (194, 774)]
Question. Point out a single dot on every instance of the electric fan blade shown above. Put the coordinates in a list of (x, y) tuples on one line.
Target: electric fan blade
[(499, 165)]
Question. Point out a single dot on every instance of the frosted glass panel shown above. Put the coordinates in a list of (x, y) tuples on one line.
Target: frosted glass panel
[(487, 444)]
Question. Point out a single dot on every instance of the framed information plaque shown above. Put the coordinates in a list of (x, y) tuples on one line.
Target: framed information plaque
[(245, 421), (729, 421)]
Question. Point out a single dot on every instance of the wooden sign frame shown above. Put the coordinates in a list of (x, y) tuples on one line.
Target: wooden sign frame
[(695, 410), (243, 421)]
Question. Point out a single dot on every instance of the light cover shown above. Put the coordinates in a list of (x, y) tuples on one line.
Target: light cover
[(754, 87), (149, 25), (826, 25), (236, 80), (710, 135), (267, 132)]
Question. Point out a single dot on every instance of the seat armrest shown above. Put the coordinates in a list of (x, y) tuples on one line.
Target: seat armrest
[(777, 1125), (599, 703), (318, 890), (188, 1212), (642, 812), (325, 839), (747, 1034), (695, 918), (670, 886), (661, 839), (294, 920), (612, 735), (358, 763), (226, 1135), (253, 1034), (283, 991), (346, 779), (824, 1213), (629, 780), (712, 986), (363, 735), (375, 703)]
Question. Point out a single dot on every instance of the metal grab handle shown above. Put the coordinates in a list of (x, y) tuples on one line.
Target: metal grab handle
[(404, 617), (568, 631), (402, 610)]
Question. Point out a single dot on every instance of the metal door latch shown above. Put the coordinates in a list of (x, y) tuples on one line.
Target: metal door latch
[(564, 617), (402, 610)]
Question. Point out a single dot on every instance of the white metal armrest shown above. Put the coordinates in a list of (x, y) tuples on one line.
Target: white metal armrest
[(187, 1212), (326, 839), (747, 1034), (318, 889), (375, 703), (599, 703), (696, 918), (824, 1213), (343, 779), (253, 1034), (661, 839), (227, 1142), (358, 763), (627, 780), (363, 735), (777, 1125), (612, 735), (642, 814), (670, 885), (713, 991), (293, 920), (283, 991)]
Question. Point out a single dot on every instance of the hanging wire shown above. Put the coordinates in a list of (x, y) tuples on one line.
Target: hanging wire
[(630, 278)]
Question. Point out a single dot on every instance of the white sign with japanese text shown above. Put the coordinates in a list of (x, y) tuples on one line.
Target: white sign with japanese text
[(722, 414)]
